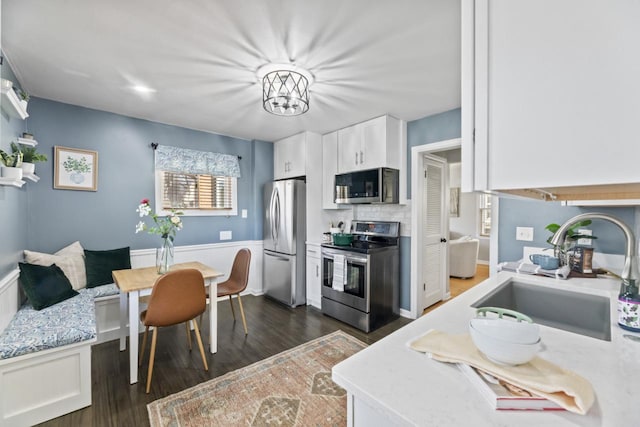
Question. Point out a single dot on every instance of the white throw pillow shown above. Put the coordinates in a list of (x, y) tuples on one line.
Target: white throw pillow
[(70, 259)]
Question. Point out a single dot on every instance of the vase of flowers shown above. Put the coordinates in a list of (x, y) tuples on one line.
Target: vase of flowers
[(166, 227)]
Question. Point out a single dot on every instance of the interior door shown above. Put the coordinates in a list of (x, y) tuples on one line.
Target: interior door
[(434, 240)]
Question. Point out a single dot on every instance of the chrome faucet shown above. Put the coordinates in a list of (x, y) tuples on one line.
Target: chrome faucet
[(630, 273)]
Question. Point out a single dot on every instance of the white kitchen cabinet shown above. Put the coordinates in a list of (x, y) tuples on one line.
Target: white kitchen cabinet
[(314, 281), (371, 144), (550, 97), (314, 171), (329, 170), (289, 156)]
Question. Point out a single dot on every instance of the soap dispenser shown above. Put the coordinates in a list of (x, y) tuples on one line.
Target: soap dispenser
[(629, 306)]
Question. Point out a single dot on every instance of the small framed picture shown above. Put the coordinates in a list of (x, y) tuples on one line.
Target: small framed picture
[(454, 202), (75, 169)]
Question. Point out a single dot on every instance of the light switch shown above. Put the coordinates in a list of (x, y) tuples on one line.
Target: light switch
[(524, 233), (226, 235), (244, 213)]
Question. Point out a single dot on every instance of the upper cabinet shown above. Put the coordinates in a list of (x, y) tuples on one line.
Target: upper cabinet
[(371, 144), (329, 170), (300, 155), (550, 98), (289, 156)]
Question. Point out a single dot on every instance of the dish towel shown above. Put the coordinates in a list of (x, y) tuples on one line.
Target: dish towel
[(539, 377), (524, 267), (339, 273)]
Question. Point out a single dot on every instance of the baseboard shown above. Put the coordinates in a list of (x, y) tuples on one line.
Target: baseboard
[(405, 313), (482, 262)]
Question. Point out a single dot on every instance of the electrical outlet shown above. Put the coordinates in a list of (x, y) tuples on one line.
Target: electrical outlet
[(244, 213), (226, 235), (524, 233), (585, 242)]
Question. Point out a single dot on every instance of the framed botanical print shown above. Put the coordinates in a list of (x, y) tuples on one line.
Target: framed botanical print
[(75, 169)]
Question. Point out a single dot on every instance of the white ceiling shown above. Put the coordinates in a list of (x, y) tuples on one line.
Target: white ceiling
[(368, 57)]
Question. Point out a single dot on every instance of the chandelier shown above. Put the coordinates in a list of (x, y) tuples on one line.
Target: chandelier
[(285, 89)]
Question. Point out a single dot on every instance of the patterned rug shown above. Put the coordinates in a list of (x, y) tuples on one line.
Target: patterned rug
[(292, 388)]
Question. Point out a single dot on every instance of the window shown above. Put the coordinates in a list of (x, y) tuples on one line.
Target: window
[(198, 183), (485, 215), (196, 194)]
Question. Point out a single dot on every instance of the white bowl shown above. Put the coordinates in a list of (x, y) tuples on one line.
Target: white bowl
[(507, 329), (503, 352)]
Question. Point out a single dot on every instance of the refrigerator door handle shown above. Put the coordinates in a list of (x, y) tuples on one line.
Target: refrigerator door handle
[(272, 214), (277, 215)]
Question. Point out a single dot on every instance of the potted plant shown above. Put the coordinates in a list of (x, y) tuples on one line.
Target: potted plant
[(29, 157), (563, 250), (12, 165)]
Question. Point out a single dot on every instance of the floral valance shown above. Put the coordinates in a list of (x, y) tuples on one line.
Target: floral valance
[(175, 159)]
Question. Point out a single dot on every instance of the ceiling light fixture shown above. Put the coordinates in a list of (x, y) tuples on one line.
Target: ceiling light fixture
[(285, 89), (143, 89)]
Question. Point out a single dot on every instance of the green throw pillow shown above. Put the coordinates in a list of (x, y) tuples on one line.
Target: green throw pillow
[(100, 264), (45, 285)]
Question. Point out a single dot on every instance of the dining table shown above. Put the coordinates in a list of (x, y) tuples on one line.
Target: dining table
[(135, 283)]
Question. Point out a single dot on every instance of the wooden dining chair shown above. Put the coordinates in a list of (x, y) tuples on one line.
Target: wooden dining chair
[(237, 282), (177, 297)]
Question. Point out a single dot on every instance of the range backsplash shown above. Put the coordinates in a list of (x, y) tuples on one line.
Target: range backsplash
[(375, 212)]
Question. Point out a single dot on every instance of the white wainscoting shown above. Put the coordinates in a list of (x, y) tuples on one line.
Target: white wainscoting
[(9, 298), (217, 255)]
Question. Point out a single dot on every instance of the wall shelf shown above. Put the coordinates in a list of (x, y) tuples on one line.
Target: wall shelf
[(10, 181), (12, 105), (27, 141), (31, 177)]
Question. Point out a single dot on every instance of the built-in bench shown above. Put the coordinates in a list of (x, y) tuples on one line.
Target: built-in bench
[(45, 355)]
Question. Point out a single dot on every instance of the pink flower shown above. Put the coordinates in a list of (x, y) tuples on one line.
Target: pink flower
[(144, 202)]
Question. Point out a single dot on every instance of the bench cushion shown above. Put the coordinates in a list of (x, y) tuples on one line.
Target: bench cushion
[(68, 322), (102, 291)]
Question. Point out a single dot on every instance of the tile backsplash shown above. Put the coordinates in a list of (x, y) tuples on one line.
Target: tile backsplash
[(399, 213)]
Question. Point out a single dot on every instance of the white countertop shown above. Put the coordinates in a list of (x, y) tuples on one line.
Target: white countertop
[(415, 390)]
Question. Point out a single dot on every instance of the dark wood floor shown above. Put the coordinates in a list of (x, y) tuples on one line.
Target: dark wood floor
[(272, 329)]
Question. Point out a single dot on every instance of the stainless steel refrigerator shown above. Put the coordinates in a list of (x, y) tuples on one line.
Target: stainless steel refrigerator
[(284, 234)]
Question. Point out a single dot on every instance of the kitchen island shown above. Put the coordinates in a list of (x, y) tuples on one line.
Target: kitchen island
[(390, 384)]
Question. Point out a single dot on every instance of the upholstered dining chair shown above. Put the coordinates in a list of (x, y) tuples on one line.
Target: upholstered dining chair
[(177, 297), (237, 282)]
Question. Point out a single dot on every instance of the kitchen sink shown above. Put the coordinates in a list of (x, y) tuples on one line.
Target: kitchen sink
[(576, 312)]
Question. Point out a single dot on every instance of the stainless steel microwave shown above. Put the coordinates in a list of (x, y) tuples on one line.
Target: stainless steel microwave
[(368, 186)]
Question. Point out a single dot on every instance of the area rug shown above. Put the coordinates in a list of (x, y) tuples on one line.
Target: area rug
[(292, 388)]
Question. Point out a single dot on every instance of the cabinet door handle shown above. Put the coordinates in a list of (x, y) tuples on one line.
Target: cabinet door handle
[(317, 271), (361, 157), (356, 157)]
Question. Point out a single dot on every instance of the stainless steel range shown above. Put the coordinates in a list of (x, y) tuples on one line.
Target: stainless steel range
[(361, 282)]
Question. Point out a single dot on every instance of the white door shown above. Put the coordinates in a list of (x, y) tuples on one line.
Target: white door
[(435, 227)]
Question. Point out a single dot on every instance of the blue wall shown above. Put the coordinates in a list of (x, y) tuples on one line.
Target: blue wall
[(537, 214), (13, 201), (436, 128), (106, 218)]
